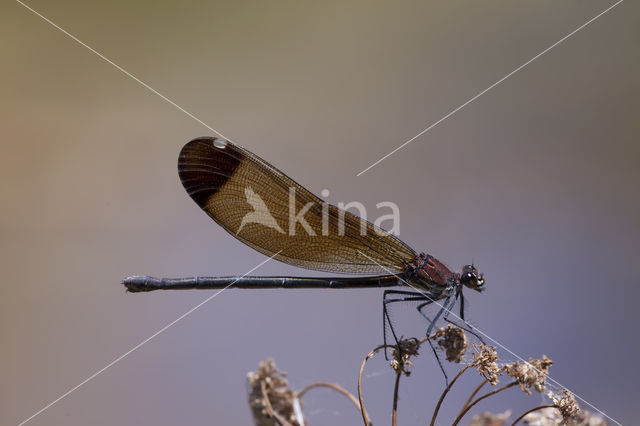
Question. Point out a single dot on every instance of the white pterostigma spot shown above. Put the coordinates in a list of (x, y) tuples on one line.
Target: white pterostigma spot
[(220, 143)]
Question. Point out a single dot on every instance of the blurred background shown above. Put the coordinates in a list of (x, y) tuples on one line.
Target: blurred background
[(536, 181)]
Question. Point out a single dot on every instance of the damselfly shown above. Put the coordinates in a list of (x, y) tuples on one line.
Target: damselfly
[(267, 210)]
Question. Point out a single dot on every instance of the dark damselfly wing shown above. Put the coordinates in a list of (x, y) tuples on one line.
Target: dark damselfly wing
[(251, 200)]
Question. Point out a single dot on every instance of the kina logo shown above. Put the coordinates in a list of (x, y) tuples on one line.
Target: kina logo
[(260, 213)]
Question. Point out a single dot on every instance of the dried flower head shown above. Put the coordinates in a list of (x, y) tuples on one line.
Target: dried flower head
[(488, 419), (484, 359), (566, 404), (453, 341), (281, 397), (549, 416), (585, 418), (532, 373), (402, 352)]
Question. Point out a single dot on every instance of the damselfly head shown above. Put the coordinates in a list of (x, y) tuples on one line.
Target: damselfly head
[(470, 277)]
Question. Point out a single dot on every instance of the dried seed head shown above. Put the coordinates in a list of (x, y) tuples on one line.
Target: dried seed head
[(280, 396), (585, 418), (567, 405), (488, 419), (532, 373), (549, 416), (553, 416), (453, 341), (401, 354), (484, 359)]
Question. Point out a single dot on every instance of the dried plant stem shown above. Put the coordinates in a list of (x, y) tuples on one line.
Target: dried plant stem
[(394, 413), (365, 417), (475, 391), (445, 392), (540, 407), (333, 386), (270, 410), (486, 395)]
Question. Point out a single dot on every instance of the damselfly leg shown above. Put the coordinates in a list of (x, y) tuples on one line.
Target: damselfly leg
[(406, 296), (461, 323)]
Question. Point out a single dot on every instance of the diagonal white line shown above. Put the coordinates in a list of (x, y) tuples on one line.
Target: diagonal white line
[(125, 72), (491, 87), (163, 329), (551, 379)]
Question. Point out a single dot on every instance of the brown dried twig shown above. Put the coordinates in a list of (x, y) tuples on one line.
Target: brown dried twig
[(394, 413), (370, 355), (475, 392), (445, 392), (486, 395), (332, 386)]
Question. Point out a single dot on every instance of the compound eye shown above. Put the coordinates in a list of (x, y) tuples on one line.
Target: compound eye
[(467, 278)]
